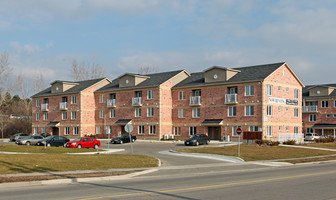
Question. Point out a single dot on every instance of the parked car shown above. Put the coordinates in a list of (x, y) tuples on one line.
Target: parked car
[(16, 135), (18, 139), (84, 142), (53, 141), (44, 134), (29, 140), (123, 138), (197, 139), (312, 136)]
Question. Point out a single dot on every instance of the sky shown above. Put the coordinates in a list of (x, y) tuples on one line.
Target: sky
[(46, 36)]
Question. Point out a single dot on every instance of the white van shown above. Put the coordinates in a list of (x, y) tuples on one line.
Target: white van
[(312, 136)]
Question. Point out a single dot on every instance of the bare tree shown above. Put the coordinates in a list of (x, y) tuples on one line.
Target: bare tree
[(147, 70), (38, 83), (87, 70)]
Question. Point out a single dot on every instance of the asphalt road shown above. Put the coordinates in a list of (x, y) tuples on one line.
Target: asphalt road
[(316, 181)]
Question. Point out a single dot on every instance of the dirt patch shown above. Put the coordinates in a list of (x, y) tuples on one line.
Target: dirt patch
[(6, 179)]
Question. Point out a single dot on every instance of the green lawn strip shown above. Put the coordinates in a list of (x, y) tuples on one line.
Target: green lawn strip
[(256, 152), (21, 163), (321, 145), (41, 149)]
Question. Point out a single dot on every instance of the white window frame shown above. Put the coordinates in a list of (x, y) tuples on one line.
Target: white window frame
[(64, 115), (253, 128), (101, 98), (296, 112), (249, 90), (112, 113), (141, 130), (280, 128), (73, 100), (137, 112), (181, 95), (192, 130), (75, 130), (328, 115), (73, 115), (36, 130), (180, 113), (249, 110), (296, 129), (38, 116), (296, 93), (177, 130), (150, 112), (269, 131), (66, 130), (324, 104), (310, 130), (45, 116), (43, 130), (101, 114), (232, 111), (287, 128), (312, 118), (98, 130), (150, 94), (108, 129), (38, 103), (269, 110), (196, 113), (151, 130), (269, 90)]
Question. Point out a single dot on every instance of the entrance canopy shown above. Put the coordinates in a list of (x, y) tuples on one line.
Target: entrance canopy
[(212, 122), (122, 121), (324, 126), (54, 124)]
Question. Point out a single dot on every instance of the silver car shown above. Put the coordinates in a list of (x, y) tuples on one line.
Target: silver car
[(312, 136), (30, 140)]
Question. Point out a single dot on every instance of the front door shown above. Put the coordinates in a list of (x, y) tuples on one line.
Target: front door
[(214, 132), (55, 131), (123, 130)]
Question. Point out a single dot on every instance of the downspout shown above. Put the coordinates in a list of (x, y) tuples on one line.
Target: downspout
[(262, 108)]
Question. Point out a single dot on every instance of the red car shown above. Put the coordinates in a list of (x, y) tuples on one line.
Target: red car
[(84, 142)]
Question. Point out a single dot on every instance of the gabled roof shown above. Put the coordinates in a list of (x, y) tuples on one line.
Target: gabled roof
[(81, 85), (246, 74), (224, 68), (305, 90), (135, 75), (153, 80)]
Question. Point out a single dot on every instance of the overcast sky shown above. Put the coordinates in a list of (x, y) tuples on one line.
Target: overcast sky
[(45, 36)]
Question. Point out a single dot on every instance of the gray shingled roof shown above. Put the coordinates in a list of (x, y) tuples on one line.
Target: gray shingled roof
[(153, 81), (250, 73), (305, 90), (82, 85)]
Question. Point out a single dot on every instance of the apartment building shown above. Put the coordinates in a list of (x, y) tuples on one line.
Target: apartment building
[(66, 108), (319, 109), (264, 98)]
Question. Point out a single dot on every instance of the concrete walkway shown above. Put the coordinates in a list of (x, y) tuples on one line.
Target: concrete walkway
[(305, 147)]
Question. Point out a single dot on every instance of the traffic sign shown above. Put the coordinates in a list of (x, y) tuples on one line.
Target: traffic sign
[(128, 128), (239, 131)]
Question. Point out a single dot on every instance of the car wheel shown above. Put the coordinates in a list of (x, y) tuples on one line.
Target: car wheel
[(121, 142), (96, 146), (48, 144), (207, 142), (79, 146), (28, 143), (133, 140), (197, 143)]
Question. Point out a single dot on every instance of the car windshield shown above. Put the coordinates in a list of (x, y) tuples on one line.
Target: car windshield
[(195, 136), (308, 134), (78, 139), (49, 137)]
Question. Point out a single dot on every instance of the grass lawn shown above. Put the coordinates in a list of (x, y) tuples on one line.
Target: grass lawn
[(322, 145), (54, 159), (256, 152)]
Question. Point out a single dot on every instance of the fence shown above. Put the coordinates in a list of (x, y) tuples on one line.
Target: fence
[(298, 137)]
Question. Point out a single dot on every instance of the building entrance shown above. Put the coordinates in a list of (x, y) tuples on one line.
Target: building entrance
[(214, 132)]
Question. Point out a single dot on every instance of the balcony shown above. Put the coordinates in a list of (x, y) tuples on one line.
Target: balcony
[(63, 106), (195, 101), (45, 107), (137, 101), (231, 98), (111, 103), (309, 109)]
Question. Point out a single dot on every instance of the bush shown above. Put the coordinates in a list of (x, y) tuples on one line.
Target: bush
[(325, 140), (290, 142), (272, 143), (260, 142)]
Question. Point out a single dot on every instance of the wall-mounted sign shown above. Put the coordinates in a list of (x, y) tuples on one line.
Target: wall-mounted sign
[(283, 101)]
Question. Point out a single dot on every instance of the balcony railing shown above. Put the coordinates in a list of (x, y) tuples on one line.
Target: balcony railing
[(307, 109), (63, 106), (45, 107), (111, 103), (231, 99), (195, 101), (137, 101)]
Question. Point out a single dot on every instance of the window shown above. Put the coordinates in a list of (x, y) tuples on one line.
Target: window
[(280, 128), (181, 95), (141, 130), (192, 130), (73, 99), (287, 109), (180, 113), (101, 114), (253, 128), (98, 130), (324, 103), (312, 118), (327, 115), (38, 116), (66, 130), (296, 129), (138, 112), (75, 130), (279, 88), (112, 113), (177, 131), (73, 115), (249, 110), (101, 98), (269, 90), (150, 112), (234, 130), (249, 90), (64, 115), (43, 130), (269, 131), (287, 128), (296, 112), (334, 115), (108, 129), (232, 111), (38, 102), (335, 103), (310, 130), (196, 93), (196, 112), (152, 130), (287, 89), (150, 94), (296, 93), (45, 116), (269, 110), (36, 130), (279, 108)]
